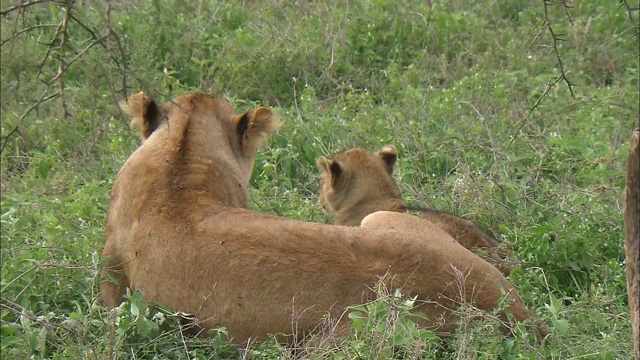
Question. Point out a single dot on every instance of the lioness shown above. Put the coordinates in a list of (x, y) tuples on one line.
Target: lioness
[(179, 230), (356, 182)]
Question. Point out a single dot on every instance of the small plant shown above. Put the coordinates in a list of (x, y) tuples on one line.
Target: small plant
[(385, 329)]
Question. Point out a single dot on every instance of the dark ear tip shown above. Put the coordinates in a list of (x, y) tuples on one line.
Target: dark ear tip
[(388, 158), (243, 124), (335, 168)]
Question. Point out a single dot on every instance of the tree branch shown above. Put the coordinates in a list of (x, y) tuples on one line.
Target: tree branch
[(557, 38), (42, 99), (636, 27), (25, 30), (535, 106), (563, 75), (21, 6), (62, 66)]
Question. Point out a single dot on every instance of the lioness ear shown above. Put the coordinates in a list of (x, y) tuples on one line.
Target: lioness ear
[(253, 127), (146, 113), (389, 155)]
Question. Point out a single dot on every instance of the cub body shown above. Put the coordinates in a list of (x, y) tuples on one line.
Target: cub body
[(356, 183)]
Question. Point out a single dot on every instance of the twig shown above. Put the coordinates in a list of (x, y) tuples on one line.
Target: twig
[(19, 32), (82, 52), (19, 310), (537, 35), (563, 76), (93, 34), (43, 98), (333, 43), (636, 27), (22, 5), (49, 49), (486, 125), (556, 39), (61, 65), (535, 106), (108, 40), (109, 34)]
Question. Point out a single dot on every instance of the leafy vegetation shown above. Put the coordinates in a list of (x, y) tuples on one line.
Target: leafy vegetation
[(471, 94)]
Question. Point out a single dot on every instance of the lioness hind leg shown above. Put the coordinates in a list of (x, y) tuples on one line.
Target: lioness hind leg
[(466, 232), (472, 237)]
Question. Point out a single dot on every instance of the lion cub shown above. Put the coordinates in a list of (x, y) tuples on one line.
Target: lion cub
[(356, 183)]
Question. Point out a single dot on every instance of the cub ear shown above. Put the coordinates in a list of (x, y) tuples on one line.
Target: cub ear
[(145, 112), (253, 128), (330, 167), (389, 155)]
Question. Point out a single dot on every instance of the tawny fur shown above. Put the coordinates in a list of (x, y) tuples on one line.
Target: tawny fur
[(356, 182), (178, 229)]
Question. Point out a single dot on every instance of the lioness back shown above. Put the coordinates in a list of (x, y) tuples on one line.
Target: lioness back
[(178, 229), (356, 182)]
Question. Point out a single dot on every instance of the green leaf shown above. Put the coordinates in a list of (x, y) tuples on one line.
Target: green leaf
[(561, 325), (42, 341), (555, 305), (135, 311), (44, 167)]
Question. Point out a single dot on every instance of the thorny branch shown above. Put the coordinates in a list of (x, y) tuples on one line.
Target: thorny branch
[(557, 38), (110, 33), (42, 99), (563, 75), (535, 106), (21, 6), (62, 67), (630, 10), (60, 42), (26, 30)]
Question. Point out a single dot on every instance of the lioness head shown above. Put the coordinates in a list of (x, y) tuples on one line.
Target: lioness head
[(205, 134), (357, 178)]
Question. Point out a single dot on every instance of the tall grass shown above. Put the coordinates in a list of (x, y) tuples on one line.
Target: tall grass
[(461, 88)]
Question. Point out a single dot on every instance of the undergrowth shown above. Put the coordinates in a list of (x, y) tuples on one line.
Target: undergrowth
[(466, 91)]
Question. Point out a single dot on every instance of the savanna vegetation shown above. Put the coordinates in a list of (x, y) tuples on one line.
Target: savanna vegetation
[(514, 114)]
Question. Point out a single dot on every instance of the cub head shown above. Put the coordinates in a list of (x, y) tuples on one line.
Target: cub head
[(356, 177)]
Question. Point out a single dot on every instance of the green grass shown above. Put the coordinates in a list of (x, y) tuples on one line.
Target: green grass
[(451, 84)]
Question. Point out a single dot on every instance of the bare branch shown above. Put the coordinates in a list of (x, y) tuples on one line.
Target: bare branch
[(537, 35), (21, 6), (636, 27), (110, 33), (62, 66), (79, 55), (51, 46), (42, 99), (556, 39), (74, 18), (25, 30), (534, 107)]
